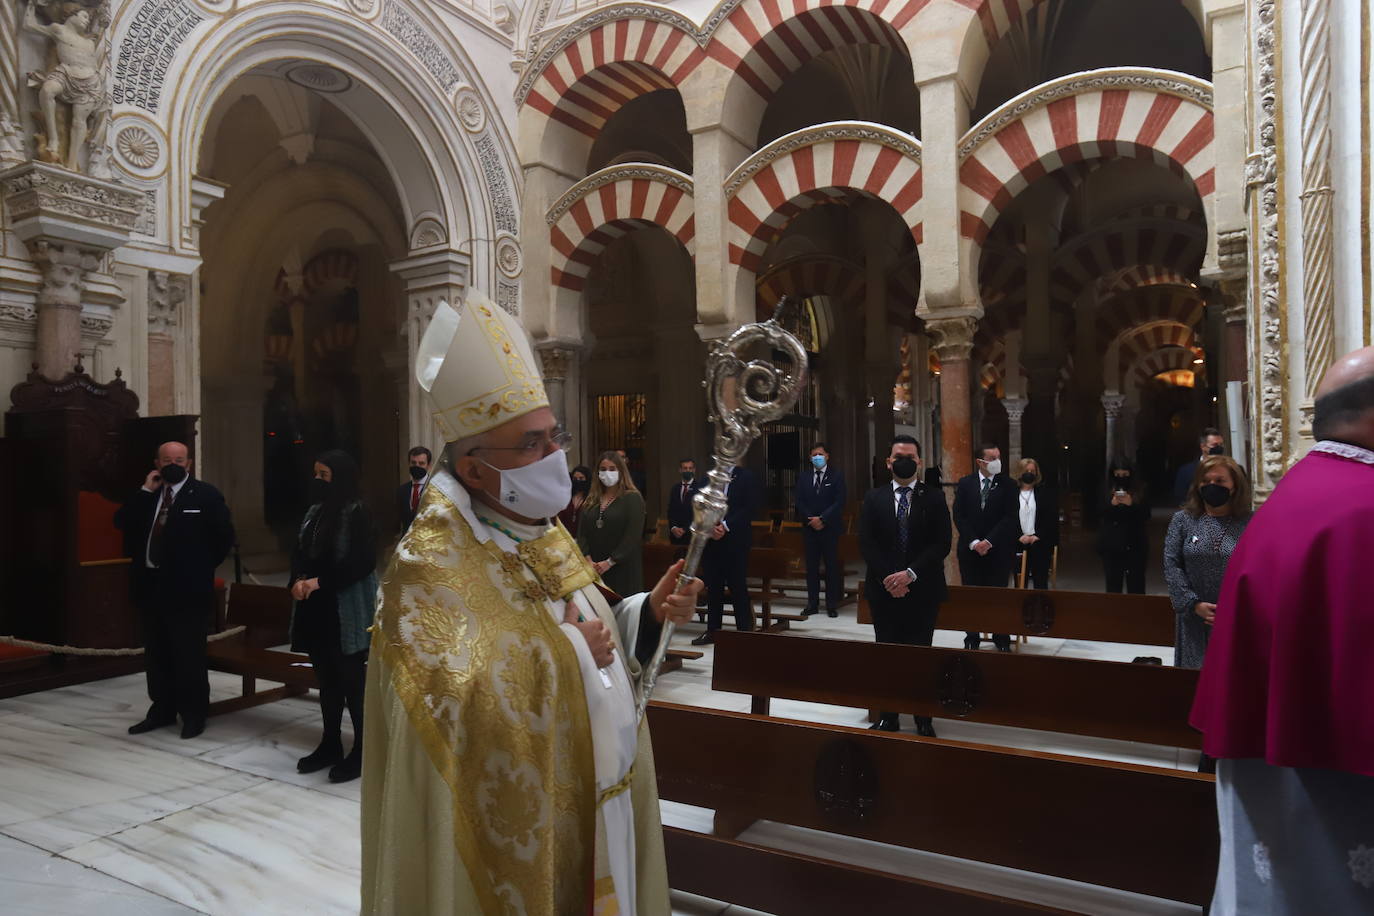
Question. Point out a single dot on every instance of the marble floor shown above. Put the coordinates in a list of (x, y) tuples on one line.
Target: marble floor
[(95, 820)]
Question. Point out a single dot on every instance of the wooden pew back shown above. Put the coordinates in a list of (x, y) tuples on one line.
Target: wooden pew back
[(1126, 702), (264, 609), (1139, 829), (1141, 619)]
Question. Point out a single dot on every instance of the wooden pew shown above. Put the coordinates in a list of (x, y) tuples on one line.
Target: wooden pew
[(266, 613), (1140, 829), (1117, 700), (1140, 619), (788, 883), (768, 564)]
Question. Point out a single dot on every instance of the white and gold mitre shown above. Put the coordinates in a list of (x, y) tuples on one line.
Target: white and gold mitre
[(478, 368)]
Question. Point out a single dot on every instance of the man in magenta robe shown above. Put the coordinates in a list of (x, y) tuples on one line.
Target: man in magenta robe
[(1285, 701)]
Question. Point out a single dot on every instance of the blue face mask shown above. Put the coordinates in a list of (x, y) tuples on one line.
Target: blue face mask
[(818, 461)]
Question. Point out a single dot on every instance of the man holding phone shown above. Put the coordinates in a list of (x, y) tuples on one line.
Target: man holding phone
[(176, 531)]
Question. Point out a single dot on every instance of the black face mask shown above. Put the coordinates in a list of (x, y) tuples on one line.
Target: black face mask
[(1215, 495), (688, 476), (904, 468), (1122, 483), (1028, 477), (417, 473), (1217, 450), (319, 490), (173, 474), (581, 485)]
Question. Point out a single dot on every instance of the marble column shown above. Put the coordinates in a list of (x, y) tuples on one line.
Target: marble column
[(429, 279), (556, 363), (1016, 408), (716, 151), (1112, 404), (167, 293), (952, 340)]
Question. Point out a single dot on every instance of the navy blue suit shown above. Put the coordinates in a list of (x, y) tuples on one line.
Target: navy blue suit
[(825, 502), (680, 510), (995, 522), (726, 561)]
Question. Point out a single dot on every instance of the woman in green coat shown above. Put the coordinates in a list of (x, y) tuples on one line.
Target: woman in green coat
[(611, 530)]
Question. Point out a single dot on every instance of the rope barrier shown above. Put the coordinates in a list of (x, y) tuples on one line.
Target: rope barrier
[(79, 650)]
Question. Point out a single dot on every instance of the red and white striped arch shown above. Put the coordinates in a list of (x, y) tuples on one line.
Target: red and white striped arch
[(764, 42), (1150, 114), (1146, 306), (1170, 359), (814, 165), (609, 204), (997, 17), (591, 75), (1142, 341)]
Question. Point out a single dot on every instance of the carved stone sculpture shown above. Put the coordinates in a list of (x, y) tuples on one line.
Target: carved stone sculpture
[(73, 80)]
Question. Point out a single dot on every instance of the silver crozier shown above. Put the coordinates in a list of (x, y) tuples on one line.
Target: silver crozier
[(743, 396)]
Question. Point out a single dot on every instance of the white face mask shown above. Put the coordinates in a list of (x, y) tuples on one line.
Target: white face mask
[(539, 490), (609, 478), (995, 466)]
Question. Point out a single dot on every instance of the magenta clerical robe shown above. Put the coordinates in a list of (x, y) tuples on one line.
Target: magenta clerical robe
[(1289, 672)]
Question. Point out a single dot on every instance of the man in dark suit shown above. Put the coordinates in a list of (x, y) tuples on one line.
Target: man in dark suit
[(726, 560), (680, 503), (904, 535), (176, 531), (408, 494), (1209, 442), (985, 510), (820, 507)]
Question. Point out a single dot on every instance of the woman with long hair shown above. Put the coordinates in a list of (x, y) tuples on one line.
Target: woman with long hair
[(1202, 535), (334, 584), (611, 529), (1122, 540), (581, 486), (1038, 512)]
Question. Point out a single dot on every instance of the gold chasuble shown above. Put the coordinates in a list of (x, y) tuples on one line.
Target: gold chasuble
[(496, 777)]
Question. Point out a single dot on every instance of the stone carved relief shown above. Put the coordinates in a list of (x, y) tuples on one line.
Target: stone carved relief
[(362, 7), (146, 223), (508, 297), (138, 147), (148, 48), (72, 94), (555, 362), (952, 338), (471, 114), (398, 20), (1188, 88), (498, 185), (427, 233), (166, 293), (1262, 180), (42, 190), (508, 257)]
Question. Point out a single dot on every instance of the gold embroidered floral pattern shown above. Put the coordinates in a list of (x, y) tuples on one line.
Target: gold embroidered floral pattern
[(557, 562), (493, 689)]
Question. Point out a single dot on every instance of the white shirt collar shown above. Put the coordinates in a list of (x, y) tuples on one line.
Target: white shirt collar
[(422, 481), (1345, 450), (897, 486), (176, 487)]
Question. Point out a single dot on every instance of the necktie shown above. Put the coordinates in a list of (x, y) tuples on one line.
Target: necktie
[(983, 496), (414, 497), (903, 510), (155, 548), (684, 493), (818, 480)]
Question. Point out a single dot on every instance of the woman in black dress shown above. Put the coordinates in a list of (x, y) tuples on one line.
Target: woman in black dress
[(334, 582), (1122, 540)]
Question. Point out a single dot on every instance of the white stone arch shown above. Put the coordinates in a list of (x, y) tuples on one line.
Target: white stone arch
[(408, 113)]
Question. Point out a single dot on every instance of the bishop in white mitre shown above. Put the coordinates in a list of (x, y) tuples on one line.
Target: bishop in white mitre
[(504, 769)]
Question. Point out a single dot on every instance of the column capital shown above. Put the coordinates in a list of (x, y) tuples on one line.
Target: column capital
[(1016, 408), (952, 338), (204, 192), (437, 268), (556, 357), (1113, 404)]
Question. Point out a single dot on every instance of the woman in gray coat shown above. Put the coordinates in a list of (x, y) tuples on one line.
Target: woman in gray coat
[(1201, 538)]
